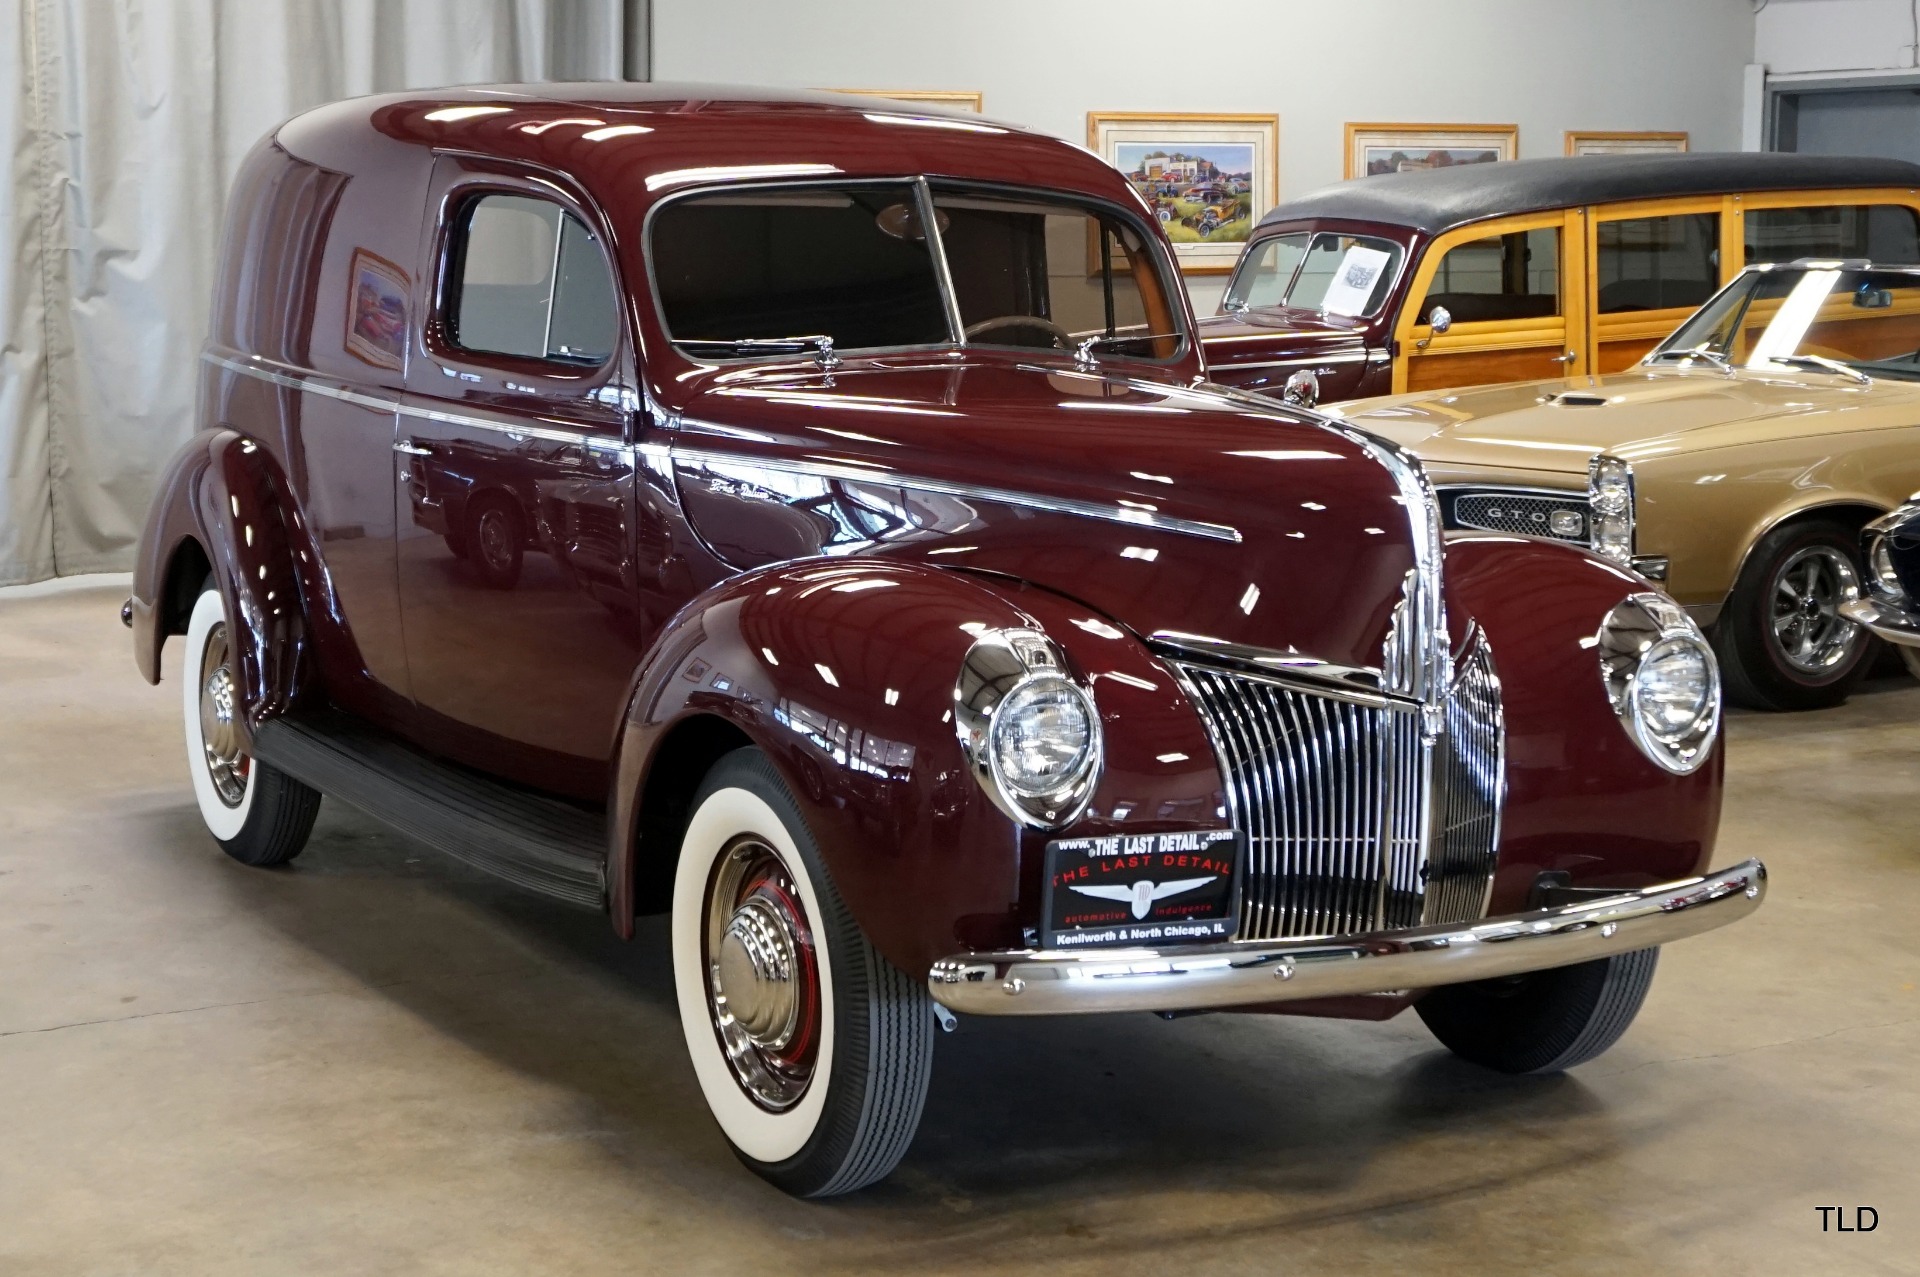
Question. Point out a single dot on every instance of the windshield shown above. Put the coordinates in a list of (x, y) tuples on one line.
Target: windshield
[(1335, 274), (1808, 318), (749, 272)]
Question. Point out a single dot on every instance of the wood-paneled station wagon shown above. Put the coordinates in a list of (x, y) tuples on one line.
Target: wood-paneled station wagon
[(1735, 464), (1441, 278), (804, 517)]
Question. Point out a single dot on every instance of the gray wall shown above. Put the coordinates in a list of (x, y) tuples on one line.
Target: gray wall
[(1546, 65)]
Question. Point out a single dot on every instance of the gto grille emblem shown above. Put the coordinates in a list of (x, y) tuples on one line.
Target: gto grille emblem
[(1142, 894)]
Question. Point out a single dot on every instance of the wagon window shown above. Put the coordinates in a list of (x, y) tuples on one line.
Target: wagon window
[(1266, 272), (1346, 275), (529, 280), (1514, 276), (1049, 274), (1657, 263), (1885, 233), (738, 268)]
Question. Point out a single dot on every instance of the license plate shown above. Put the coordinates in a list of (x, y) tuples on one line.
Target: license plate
[(1141, 889)]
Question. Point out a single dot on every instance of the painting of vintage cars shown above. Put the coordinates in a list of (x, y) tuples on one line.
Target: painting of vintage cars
[(884, 642), (1197, 192), (1375, 149), (1735, 465)]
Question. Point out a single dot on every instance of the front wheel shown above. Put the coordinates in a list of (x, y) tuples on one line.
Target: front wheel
[(1781, 640), (813, 1051), (259, 815), (1544, 1021)]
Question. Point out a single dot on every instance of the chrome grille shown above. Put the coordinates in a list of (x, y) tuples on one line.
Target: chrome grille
[(1336, 795), (1529, 514)]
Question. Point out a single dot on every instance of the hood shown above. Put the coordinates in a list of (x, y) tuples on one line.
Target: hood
[(1558, 426), (1262, 336), (1162, 508)]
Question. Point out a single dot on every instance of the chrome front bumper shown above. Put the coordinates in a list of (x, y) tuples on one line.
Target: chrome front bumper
[(1036, 982), (1890, 623)]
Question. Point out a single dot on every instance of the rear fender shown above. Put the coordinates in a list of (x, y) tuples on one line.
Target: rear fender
[(844, 672), (1581, 797)]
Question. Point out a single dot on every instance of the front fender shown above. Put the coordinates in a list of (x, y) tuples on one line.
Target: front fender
[(1581, 797), (844, 674)]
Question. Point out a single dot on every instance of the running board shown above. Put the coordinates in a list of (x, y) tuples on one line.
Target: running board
[(531, 840)]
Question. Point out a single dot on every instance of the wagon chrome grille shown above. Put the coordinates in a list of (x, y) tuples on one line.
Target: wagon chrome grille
[(1355, 819)]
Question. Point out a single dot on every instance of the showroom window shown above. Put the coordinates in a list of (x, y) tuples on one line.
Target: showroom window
[(850, 263), (1657, 263), (1881, 232), (1514, 276), (529, 281), (1034, 272)]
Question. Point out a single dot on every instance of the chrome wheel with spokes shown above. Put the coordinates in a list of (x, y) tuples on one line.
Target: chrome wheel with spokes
[(1808, 589), (227, 767)]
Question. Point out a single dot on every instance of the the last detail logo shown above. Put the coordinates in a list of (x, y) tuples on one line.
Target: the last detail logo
[(1142, 888)]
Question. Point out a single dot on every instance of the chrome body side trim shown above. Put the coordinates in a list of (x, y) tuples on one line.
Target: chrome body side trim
[(1003, 496), (1048, 982), (305, 379)]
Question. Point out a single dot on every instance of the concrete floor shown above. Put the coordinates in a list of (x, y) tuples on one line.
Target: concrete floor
[(378, 1062)]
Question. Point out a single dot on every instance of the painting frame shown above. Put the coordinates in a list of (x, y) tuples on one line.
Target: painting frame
[(947, 99), (1365, 136), (1626, 142), (375, 335), (1126, 139)]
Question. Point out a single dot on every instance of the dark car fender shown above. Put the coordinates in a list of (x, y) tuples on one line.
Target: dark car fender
[(220, 509), (1581, 797), (843, 672)]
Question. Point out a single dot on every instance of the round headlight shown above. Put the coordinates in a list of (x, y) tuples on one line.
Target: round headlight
[(1674, 689), (1043, 737), (1661, 679)]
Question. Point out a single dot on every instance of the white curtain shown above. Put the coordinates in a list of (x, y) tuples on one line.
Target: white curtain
[(124, 120)]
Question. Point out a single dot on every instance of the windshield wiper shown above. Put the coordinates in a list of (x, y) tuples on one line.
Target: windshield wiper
[(1713, 357), (1822, 362), (820, 343)]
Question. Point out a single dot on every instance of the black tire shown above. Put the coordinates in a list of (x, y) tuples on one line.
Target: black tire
[(1545, 1021), (258, 814), (496, 540), (1760, 667), (852, 1116)]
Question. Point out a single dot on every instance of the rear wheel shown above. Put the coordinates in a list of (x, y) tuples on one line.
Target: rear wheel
[(813, 1052), (1544, 1021), (259, 815), (1781, 640)]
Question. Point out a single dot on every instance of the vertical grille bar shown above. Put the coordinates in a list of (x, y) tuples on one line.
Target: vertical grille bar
[(1355, 817)]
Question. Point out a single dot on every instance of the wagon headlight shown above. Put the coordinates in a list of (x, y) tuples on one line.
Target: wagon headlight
[(1610, 496), (1661, 679), (1030, 733)]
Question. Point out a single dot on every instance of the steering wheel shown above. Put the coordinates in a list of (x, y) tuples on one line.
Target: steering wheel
[(1061, 337)]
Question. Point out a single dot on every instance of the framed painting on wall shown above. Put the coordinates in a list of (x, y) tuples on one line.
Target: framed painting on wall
[(1591, 143), (952, 100), (1396, 148), (1208, 178)]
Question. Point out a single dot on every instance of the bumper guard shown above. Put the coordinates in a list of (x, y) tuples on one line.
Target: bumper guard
[(1046, 982)]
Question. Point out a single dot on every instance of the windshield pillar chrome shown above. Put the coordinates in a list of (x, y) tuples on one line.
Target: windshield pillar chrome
[(937, 250)]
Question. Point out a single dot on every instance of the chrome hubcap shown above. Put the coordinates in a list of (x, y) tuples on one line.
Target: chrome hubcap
[(763, 987), (494, 542), (219, 737), (1808, 630)]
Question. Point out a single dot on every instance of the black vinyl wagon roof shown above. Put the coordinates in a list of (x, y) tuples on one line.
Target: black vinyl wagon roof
[(1435, 200)]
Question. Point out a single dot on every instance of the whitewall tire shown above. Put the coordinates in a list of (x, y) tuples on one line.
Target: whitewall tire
[(812, 1051), (258, 815)]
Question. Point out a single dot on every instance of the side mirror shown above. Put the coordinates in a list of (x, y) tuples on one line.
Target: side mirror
[(1441, 318), (1303, 389)]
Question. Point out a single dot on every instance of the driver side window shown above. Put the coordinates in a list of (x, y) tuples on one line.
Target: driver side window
[(1037, 273)]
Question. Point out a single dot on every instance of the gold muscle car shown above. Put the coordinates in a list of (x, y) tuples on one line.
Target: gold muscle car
[(1735, 465)]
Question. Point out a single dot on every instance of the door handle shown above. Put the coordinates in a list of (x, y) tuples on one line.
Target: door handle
[(412, 449), (1568, 358)]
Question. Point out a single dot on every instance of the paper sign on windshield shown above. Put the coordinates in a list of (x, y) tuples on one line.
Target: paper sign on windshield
[(1354, 281)]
